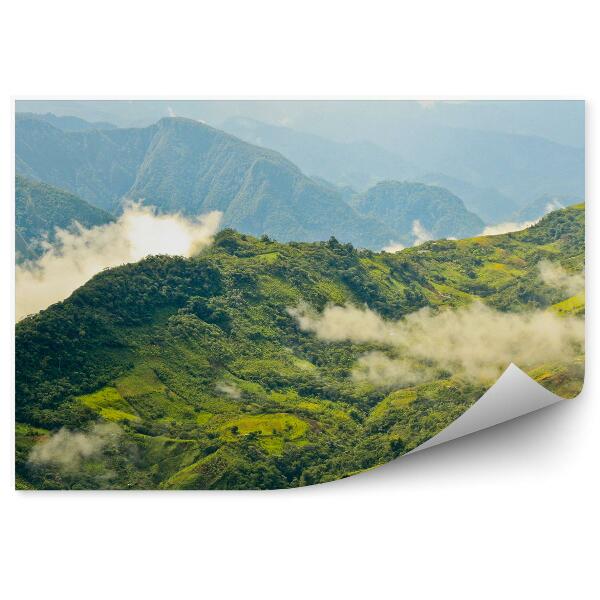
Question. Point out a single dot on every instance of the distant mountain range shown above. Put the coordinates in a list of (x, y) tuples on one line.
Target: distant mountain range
[(67, 123), (180, 165), (41, 208), (517, 166), (355, 164), (473, 165)]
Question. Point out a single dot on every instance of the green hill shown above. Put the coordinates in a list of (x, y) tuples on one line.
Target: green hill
[(192, 373), (400, 204), (485, 202), (41, 208)]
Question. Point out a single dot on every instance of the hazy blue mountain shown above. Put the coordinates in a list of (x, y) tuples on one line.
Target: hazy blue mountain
[(67, 122), (543, 205), (99, 166), (400, 204), (41, 208), (355, 164), (182, 165), (347, 192), (517, 166), (192, 167), (488, 203), (360, 165)]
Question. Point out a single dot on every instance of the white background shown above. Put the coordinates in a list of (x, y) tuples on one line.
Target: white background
[(507, 513)]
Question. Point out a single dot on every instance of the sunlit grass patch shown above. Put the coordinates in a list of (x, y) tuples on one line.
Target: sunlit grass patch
[(289, 426), (394, 400), (274, 287), (201, 474), (333, 290), (141, 380), (575, 305), (565, 381), (109, 404), (203, 417)]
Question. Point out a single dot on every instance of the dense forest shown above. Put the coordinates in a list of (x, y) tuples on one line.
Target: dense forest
[(196, 373)]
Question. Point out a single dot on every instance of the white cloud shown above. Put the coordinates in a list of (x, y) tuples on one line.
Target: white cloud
[(421, 234), (554, 204), (394, 247), (229, 389), (511, 226), (476, 341), (79, 255), (69, 449), (507, 227), (554, 275)]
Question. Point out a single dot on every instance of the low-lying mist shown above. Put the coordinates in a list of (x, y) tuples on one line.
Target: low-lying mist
[(554, 275), (69, 449), (77, 256), (476, 342)]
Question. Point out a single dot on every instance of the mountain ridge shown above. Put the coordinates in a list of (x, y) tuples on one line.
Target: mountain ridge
[(180, 165)]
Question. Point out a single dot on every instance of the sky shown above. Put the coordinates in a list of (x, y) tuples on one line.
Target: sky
[(561, 121)]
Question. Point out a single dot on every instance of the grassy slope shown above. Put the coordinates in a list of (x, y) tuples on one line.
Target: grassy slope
[(213, 384)]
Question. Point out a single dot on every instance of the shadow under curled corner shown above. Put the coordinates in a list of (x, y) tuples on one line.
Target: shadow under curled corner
[(514, 395)]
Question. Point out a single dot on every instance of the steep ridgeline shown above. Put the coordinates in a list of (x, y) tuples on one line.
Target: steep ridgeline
[(40, 209), (486, 202), (400, 204), (360, 165), (179, 165), (192, 373), (355, 164)]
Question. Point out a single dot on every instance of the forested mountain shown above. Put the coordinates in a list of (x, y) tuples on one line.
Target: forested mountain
[(196, 373), (66, 122), (179, 165), (98, 166), (485, 202), (360, 165), (41, 208), (355, 164), (520, 150), (400, 204)]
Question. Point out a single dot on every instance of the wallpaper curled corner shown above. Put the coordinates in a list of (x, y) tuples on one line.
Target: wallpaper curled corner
[(513, 395)]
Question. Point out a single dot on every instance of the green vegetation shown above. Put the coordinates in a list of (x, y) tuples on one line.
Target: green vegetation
[(213, 384)]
